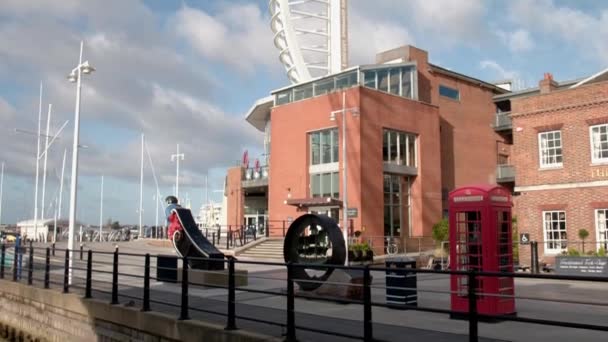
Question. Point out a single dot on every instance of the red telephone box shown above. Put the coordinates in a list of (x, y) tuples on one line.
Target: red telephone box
[(481, 240)]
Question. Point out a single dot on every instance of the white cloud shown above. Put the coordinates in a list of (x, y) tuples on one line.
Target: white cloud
[(498, 70), (517, 41), (239, 35), (586, 30), (450, 18)]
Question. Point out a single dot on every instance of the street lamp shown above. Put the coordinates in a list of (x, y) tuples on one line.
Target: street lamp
[(75, 76), (355, 112)]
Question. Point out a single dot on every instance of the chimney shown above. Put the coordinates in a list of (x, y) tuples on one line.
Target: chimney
[(547, 84)]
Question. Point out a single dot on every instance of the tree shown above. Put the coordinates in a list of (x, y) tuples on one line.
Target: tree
[(441, 231), (116, 225), (583, 234)]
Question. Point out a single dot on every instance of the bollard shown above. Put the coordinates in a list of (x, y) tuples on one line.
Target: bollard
[(15, 262), (87, 291), (184, 307), (473, 319), (81, 252), (53, 248), (283, 228), (534, 267), (146, 303), (115, 278), (47, 269), (231, 325), (2, 259), (206, 233), (66, 272), (30, 266), (291, 317), (367, 306), (228, 235), (213, 237)]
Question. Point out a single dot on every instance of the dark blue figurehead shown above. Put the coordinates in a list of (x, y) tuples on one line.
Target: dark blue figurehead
[(314, 239)]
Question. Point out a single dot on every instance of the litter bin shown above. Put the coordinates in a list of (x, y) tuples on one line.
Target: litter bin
[(166, 268), (401, 282)]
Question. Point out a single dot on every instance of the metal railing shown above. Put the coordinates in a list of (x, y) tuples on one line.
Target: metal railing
[(505, 173), (255, 174), (97, 263), (503, 121)]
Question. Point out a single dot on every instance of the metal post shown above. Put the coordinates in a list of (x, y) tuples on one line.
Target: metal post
[(184, 307), (283, 228), (37, 165), (66, 272), (228, 237), (141, 190), (46, 154), (473, 319), (2, 257), (534, 267), (81, 251), (146, 303), (15, 262), (291, 317), (344, 183), (213, 237), (87, 292), (115, 278), (53, 249), (367, 306), (30, 266), (47, 268), (231, 325), (101, 212)]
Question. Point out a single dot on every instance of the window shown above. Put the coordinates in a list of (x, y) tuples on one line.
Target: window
[(395, 80), (399, 148), (324, 185), (550, 149), (599, 143), (324, 147), (554, 223), (392, 205), (601, 224), (451, 93)]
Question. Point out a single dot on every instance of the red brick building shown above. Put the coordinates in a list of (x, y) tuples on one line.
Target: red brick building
[(414, 132), (558, 162)]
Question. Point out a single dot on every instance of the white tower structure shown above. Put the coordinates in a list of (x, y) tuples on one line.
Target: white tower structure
[(311, 36)]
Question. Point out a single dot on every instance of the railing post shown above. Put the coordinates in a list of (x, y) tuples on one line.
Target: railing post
[(2, 259), (283, 228), (231, 325), (534, 267), (115, 278), (228, 237), (255, 234), (87, 291), (81, 251), (206, 233), (473, 318), (47, 268), (30, 266), (368, 335), (15, 253), (213, 237), (66, 272), (291, 317), (184, 307), (53, 248), (146, 303)]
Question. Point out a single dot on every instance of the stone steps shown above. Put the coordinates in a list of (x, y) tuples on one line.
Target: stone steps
[(269, 249)]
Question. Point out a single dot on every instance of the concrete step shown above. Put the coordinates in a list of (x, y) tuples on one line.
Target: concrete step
[(262, 256), (253, 251)]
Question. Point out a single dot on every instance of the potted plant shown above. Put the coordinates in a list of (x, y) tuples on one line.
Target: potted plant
[(583, 234)]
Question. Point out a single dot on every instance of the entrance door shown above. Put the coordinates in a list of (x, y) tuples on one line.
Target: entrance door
[(250, 223)]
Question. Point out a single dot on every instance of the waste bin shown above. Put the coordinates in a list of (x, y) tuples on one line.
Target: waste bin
[(166, 268), (401, 282)]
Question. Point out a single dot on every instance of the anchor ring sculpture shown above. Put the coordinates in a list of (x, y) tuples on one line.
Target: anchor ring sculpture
[(314, 239)]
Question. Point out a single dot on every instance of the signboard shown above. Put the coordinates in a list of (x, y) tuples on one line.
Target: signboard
[(352, 212), (524, 239), (582, 266)]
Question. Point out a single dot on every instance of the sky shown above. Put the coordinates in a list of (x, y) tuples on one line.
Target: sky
[(186, 72)]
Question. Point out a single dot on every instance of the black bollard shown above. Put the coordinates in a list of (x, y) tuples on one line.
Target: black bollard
[(534, 268)]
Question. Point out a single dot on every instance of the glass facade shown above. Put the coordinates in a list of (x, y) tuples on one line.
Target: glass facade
[(392, 205), (399, 148), (397, 79), (324, 147), (324, 185)]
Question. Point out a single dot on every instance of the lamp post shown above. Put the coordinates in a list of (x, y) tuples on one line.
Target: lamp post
[(75, 76), (37, 166), (354, 111), (141, 190), (177, 156), (101, 213)]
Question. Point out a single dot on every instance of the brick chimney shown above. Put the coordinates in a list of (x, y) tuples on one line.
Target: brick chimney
[(547, 84)]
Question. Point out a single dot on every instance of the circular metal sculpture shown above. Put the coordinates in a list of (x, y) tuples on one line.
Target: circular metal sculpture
[(314, 239)]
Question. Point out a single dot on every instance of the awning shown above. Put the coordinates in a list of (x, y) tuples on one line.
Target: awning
[(305, 203)]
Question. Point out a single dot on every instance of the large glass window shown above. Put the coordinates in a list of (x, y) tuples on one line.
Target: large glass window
[(382, 80), (554, 228), (599, 143), (550, 149), (392, 205), (324, 185), (395, 75), (399, 148), (601, 227), (448, 92), (324, 147)]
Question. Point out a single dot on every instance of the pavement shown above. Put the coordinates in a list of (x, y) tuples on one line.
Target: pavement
[(265, 312)]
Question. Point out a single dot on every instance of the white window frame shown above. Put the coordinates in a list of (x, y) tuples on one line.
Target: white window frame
[(546, 237), (595, 159), (542, 159), (402, 156), (601, 229)]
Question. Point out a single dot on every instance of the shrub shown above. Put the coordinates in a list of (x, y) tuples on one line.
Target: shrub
[(441, 231), (601, 252), (573, 252)]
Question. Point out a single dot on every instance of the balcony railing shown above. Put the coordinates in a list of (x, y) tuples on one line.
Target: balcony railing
[(503, 121), (505, 173), (255, 177)]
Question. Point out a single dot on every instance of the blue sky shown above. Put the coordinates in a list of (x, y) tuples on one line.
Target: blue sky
[(187, 71)]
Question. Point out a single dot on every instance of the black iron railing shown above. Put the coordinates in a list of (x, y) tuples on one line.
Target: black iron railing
[(96, 268)]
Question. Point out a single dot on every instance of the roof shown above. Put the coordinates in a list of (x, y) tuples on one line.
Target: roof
[(533, 91), (599, 77), (46, 222), (466, 78), (260, 111), (314, 202)]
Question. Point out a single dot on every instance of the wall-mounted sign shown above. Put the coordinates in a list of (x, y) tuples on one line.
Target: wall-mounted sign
[(352, 212), (599, 173), (478, 198), (582, 266), (524, 239)]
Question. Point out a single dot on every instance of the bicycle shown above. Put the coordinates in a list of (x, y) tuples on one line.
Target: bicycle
[(391, 246)]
